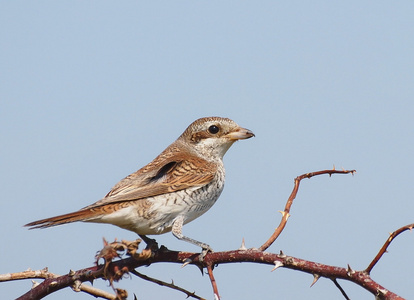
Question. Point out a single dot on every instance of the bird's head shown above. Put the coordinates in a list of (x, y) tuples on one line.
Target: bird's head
[(211, 137)]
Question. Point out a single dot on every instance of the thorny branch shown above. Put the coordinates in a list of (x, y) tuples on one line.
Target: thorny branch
[(386, 244), (116, 270), (121, 267), (285, 213)]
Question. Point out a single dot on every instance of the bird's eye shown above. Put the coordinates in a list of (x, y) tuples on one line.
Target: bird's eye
[(213, 129)]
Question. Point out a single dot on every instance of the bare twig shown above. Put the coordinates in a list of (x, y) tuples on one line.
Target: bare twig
[(213, 282), (385, 246), (44, 273), (341, 289), (95, 292), (285, 213), (170, 285)]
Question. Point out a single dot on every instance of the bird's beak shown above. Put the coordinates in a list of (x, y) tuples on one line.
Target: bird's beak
[(240, 134)]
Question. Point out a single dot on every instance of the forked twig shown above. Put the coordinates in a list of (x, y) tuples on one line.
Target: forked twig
[(45, 274), (285, 213), (385, 246)]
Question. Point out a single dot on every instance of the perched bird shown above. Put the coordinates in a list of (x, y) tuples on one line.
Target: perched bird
[(178, 186)]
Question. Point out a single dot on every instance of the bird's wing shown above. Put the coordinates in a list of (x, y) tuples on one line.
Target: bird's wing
[(167, 173), (163, 175)]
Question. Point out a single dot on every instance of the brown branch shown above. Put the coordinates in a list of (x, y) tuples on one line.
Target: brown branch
[(163, 283), (45, 274), (385, 246), (213, 282), (50, 285), (281, 260), (360, 278), (286, 212), (115, 270)]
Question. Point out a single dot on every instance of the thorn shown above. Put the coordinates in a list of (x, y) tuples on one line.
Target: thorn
[(284, 214), (71, 273), (34, 284), (163, 248), (350, 271), (343, 169), (201, 269), (380, 294), (281, 254), (333, 169), (187, 261), (278, 264), (315, 279), (243, 245)]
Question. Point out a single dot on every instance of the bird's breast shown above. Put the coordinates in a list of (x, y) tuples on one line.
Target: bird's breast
[(189, 203), (155, 215)]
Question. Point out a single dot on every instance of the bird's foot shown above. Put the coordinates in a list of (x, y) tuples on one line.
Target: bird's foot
[(205, 249)]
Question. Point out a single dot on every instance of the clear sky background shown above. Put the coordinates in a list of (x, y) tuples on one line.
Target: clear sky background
[(93, 90)]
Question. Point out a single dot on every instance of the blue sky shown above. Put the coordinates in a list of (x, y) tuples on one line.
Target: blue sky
[(92, 91)]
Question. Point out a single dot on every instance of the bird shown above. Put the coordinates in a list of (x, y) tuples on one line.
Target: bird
[(178, 186)]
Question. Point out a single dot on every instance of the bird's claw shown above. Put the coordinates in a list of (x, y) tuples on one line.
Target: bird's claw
[(204, 253)]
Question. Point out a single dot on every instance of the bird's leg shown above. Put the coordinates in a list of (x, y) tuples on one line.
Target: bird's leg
[(177, 232), (151, 243)]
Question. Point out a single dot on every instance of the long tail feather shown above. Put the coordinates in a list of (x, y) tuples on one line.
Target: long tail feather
[(80, 215)]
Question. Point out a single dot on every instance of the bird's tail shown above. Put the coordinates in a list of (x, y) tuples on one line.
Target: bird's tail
[(80, 215)]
